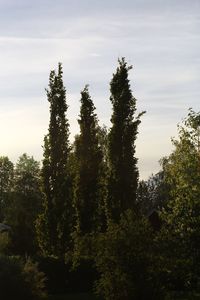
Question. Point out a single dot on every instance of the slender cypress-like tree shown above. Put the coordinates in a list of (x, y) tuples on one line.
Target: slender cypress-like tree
[(89, 156), (123, 177), (53, 224)]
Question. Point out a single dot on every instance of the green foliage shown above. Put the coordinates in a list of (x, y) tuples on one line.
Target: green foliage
[(123, 173), (89, 158), (182, 219), (124, 258), (75, 296), (35, 279), (24, 205), (6, 183), (4, 242), (19, 280), (53, 225), (57, 274), (152, 193), (62, 278)]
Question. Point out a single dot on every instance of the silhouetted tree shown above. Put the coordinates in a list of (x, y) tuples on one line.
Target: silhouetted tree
[(123, 177), (152, 193), (53, 225), (89, 189)]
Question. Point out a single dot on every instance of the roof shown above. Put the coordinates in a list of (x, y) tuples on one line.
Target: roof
[(4, 227), (151, 212)]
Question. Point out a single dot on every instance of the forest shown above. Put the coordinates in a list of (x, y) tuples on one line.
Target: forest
[(82, 225)]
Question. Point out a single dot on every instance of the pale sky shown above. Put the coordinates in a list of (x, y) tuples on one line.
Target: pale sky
[(161, 39)]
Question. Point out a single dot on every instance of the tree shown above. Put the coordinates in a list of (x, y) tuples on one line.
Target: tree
[(181, 216), (6, 182), (25, 205), (53, 225), (89, 156), (152, 193), (123, 177)]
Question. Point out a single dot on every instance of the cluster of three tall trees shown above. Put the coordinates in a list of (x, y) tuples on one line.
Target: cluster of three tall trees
[(84, 188)]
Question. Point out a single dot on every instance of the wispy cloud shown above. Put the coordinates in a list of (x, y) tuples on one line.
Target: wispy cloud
[(160, 38)]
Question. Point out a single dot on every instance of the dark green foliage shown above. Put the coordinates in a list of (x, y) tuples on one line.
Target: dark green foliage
[(22, 211), (75, 296), (62, 278), (89, 157), (20, 281), (153, 193), (4, 243), (125, 259), (123, 177), (57, 273), (6, 184), (53, 225), (83, 277)]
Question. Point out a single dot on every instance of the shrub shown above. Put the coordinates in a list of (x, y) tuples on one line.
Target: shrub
[(19, 280), (4, 242), (63, 278), (126, 262)]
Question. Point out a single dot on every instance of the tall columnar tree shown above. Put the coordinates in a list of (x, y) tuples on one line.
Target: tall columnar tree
[(123, 176), (53, 224), (89, 190)]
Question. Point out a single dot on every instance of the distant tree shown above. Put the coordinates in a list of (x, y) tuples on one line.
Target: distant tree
[(123, 177), (25, 205), (89, 157), (6, 184), (53, 225), (103, 140), (152, 193), (144, 203)]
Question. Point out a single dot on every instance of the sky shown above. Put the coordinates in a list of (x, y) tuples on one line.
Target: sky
[(159, 38)]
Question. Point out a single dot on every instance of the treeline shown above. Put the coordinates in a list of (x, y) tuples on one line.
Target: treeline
[(85, 207)]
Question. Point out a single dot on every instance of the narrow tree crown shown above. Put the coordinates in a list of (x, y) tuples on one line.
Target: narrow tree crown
[(89, 159), (53, 225), (123, 164)]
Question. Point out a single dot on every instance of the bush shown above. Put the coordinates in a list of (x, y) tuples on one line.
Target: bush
[(4, 242), (63, 278), (19, 280), (126, 262), (57, 273)]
